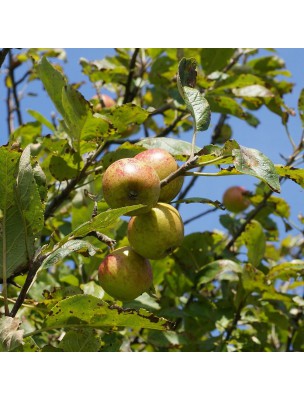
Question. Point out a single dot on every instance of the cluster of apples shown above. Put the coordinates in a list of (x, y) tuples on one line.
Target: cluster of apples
[(154, 230)]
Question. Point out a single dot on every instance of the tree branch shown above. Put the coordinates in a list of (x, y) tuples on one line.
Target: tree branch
[(128, 95)]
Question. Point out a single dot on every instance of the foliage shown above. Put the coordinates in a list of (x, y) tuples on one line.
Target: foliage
[(238, 289)]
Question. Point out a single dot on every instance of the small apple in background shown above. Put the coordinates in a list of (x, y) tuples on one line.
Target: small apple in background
[(157, 233), (234, 199), (164, 164), (107, 101), (128, 182), (124, 274)]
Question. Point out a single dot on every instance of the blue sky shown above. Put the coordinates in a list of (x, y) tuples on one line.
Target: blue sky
[(269, 137)]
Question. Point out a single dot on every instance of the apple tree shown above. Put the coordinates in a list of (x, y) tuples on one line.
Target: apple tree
[(67, 281)]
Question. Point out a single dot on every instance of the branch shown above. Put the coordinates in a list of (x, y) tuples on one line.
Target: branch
[(3, 54), (33, 269), (58, 200), (14, 88), (128, 97)]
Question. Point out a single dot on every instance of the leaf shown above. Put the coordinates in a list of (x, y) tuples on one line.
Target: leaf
[(21, 216), (220, 269), (63, 169), (237, 82), (253, 162), (201, 200), (253, 91), (255, 241), (295, 174), (122, 116), (79, 116), (215, 59), (28, 197), (85, 310), (53, 82), (301, 106), (195, 101), (286, 270), (27, 133), (10, 335), (84, 340), (174, 146), (40, 118), (72, 246)]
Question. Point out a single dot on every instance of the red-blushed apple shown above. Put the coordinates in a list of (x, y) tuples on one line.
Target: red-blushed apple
[(164, 164), (234, 199), (128, 182), (157, 233), (124, 274), (107, 101)]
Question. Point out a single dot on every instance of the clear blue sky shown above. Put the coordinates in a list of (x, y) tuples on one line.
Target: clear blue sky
[(269, 137)]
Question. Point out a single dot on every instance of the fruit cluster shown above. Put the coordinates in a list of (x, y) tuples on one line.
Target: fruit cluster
[(154, 230)]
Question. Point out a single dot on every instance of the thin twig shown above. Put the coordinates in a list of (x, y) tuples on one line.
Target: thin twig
[(14, 88)]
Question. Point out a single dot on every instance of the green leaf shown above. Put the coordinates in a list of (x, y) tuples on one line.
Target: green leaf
[(10, 335), (253, 162), (63, 168), (53, 82), (195, 101), (286, 270), (28, 197), (84, 340), (27, 133), (237, 82), (201, 200), (72, 246), (255, 241), (40, 118), (122, 116), (301, 106), (295, 174), (215, 59), (85, 310), (21, 210), (79, 116), (174, 146), (220, 269)]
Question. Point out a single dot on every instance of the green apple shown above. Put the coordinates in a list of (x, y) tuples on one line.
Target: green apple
[(234, 199), (164, 164), (128, 182), (157, 233), (124, 274)]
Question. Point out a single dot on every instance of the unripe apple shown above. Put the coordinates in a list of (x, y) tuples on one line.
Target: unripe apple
[(124, 274), (234, 199), (164, 164), (128, 182), (157, 233)]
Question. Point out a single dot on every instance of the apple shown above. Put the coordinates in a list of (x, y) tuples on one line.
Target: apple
[(129, 181), (164, 164), (107, 101), (157, 233), (124, 274), (234, 199)]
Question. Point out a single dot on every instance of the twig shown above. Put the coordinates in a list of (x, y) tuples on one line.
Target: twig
[(10, 116), (202, 214), (128, 97), (14, 88)]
